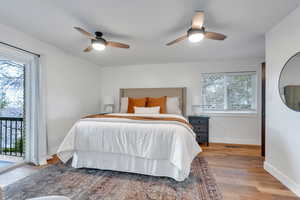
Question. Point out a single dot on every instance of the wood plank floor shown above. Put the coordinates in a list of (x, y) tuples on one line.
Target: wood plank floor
[(239, 172)]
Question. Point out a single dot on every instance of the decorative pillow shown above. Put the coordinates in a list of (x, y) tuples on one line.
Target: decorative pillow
[(146, 110), (124, 105), (140, 102), (173, 105), (161, 102)]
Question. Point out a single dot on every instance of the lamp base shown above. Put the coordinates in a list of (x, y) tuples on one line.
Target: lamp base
[(108, 109), (197, 110)]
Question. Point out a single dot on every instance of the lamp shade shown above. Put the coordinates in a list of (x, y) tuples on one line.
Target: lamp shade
[(108, 100), (196, 101)]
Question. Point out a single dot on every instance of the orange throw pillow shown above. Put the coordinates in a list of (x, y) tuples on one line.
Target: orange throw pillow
[(161, 101), (141, 102)]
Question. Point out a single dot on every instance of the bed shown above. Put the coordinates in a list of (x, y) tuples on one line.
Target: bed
[(163, 145)]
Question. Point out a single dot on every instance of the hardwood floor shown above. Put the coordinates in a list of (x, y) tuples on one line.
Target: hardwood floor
[(238, 170)]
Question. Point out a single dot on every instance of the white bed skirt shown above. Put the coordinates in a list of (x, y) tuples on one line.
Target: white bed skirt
[(125, 163)]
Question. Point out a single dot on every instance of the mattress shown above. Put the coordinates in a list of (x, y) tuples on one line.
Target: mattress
[(157, 148)]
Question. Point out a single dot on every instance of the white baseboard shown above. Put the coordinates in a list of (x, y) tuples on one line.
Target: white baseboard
[(234, 141), (285, 180)]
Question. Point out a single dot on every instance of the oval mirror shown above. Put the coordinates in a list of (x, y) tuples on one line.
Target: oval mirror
[(289, 83)]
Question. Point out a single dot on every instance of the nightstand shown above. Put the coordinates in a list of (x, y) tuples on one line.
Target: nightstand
[(201, 128)]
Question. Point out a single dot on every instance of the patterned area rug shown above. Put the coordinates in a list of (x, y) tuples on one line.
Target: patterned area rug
[(92, 184)]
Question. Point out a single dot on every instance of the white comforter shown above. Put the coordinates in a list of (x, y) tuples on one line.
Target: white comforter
[(157, 140)]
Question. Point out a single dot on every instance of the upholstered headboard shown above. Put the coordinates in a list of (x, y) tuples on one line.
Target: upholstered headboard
[(157, 92)]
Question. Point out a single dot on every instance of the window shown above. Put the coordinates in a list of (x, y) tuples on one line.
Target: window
[(11, 88), (229, 92)]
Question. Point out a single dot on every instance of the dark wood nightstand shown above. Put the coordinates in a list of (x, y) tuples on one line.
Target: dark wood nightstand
[(201, 128)]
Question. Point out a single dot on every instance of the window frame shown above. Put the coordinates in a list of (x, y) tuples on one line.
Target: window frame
[(254, 106)]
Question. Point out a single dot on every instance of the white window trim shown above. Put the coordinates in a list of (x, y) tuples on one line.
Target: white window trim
[(231, 114)]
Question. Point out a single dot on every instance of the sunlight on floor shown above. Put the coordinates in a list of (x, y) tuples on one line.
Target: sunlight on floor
[(13, 159), (4, 163)]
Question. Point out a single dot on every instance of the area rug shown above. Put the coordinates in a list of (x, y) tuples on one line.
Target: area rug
[(92, 184)]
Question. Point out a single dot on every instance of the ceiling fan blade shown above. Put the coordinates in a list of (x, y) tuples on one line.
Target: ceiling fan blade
[(198, 20), (215, 36), (117, 44), (88, 49), (177, 40), (84, 32)]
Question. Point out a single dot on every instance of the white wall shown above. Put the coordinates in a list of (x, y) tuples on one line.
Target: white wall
[(72, 88), (240, 129), (283, 130)]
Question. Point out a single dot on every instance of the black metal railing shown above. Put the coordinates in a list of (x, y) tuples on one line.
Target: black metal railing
[(12, 137)]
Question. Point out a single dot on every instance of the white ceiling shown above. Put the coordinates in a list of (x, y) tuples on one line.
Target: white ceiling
[(147, 25)]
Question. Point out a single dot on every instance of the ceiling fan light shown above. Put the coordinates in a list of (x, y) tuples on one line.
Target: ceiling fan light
[(98, 45), (196, 37)]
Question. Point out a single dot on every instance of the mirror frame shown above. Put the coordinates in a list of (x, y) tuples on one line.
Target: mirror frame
[(284, 66)]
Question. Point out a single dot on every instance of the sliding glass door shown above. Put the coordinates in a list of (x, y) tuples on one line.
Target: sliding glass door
[(22, 105), (12, 135)]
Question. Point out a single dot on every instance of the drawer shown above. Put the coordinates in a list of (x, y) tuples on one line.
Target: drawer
[(202, 134), (197, 120), (202, 138), (200, 128)]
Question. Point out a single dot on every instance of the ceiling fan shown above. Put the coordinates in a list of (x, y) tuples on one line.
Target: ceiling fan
[(97, 42), (197, 32)]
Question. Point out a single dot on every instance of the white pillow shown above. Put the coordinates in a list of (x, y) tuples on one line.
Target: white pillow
[(124, 105), (173, 106), (146, 110)]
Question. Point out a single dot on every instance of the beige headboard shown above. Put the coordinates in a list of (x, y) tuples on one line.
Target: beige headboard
[(157, 92)]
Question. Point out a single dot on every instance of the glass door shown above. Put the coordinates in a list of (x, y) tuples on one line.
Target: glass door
[(12, 135)]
